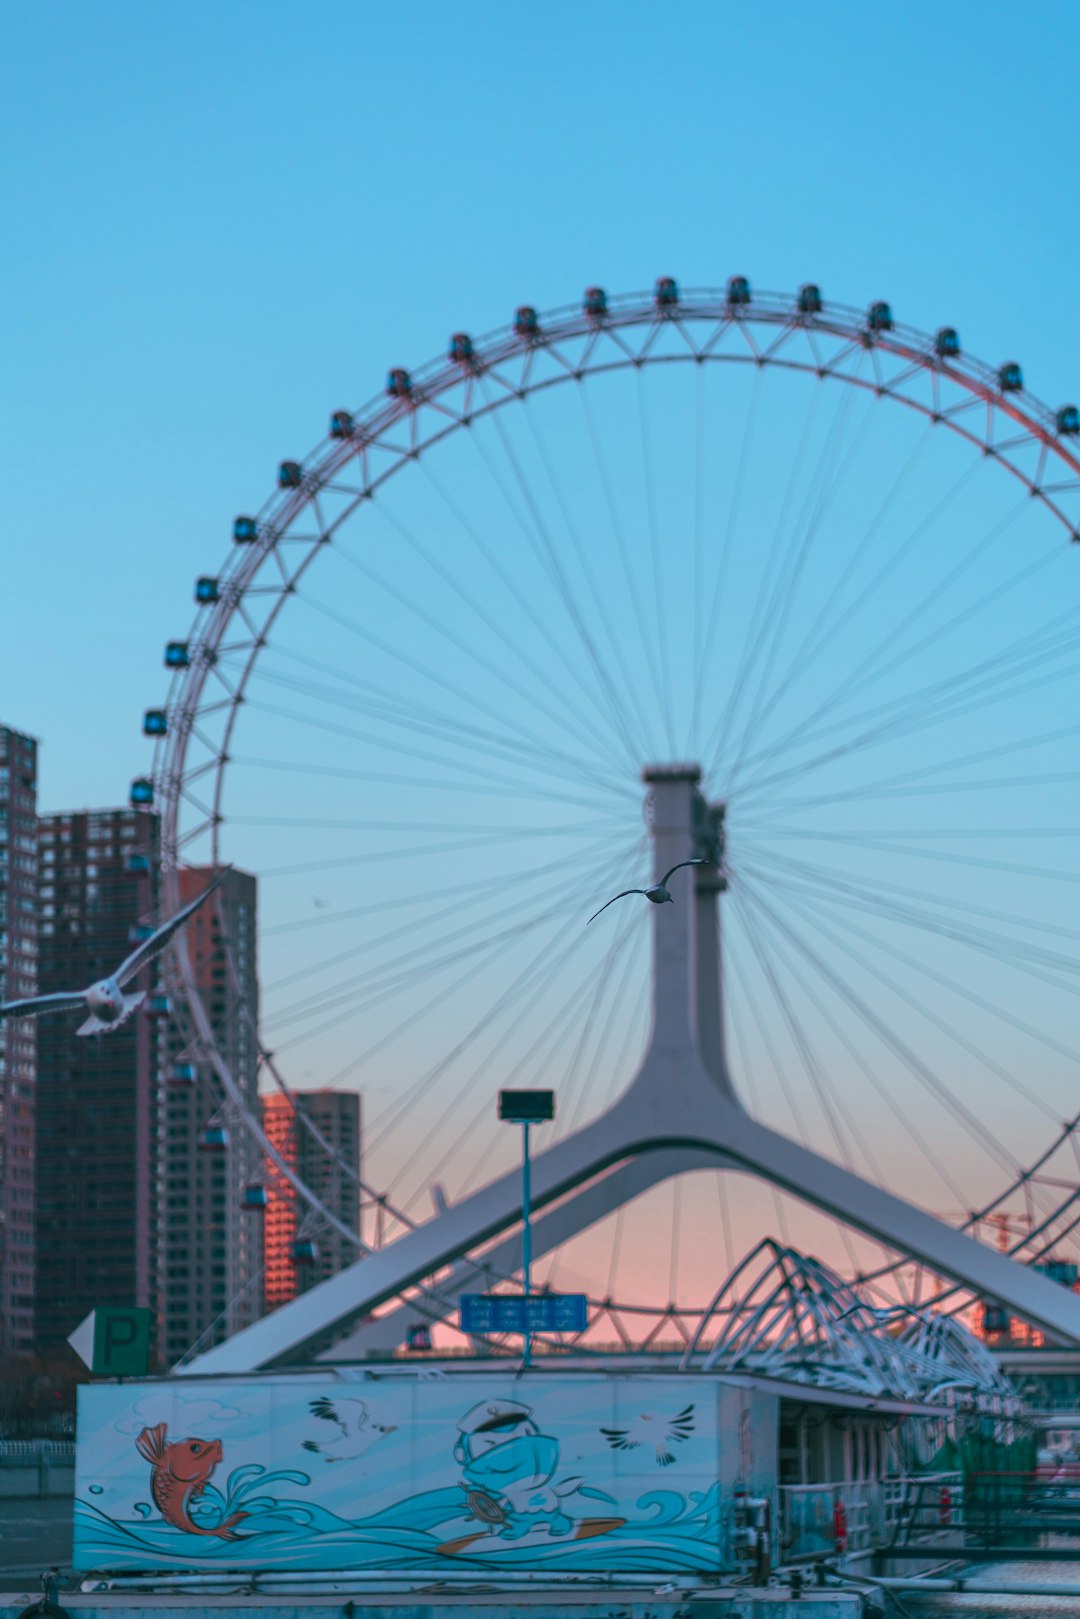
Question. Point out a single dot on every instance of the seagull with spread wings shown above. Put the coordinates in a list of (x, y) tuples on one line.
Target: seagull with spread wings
[(657, 894), (106, 1002)]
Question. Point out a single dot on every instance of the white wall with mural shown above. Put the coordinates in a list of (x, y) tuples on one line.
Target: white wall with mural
[(432, 1471)]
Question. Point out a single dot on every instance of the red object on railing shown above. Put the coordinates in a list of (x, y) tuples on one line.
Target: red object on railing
[(944, 1505), (839, 1524)]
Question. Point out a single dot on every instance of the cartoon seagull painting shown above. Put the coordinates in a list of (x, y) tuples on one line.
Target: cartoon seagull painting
[(356, 1432), (649, 1429), (105, 1001)]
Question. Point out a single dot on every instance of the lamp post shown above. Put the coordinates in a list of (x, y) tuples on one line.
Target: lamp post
[(526, 1108)]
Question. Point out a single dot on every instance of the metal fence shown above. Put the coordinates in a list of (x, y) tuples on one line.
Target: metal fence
[(831, 1520), (36, 1467)]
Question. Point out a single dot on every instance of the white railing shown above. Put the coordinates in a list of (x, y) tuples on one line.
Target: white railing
[(18, 1452), (867, 1515)]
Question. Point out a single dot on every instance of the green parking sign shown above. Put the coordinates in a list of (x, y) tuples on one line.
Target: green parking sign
[(114, 1341)]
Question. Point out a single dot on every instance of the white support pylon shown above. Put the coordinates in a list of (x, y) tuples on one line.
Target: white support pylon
[(680, 1112)]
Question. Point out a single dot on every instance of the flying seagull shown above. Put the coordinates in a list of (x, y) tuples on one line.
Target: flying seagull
[(658, 893), (105, 1001)]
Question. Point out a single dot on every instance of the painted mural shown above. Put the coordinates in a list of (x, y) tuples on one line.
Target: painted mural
[(429, 1473)]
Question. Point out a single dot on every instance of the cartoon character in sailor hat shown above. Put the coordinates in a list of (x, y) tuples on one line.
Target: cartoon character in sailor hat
[(507, 1466)]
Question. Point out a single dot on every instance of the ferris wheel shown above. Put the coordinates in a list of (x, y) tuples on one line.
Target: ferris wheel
[(822, 555)]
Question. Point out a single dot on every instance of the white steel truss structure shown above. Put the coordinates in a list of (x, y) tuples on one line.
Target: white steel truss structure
[(680, 1112)]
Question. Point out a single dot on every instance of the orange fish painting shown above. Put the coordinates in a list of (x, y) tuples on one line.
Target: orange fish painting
[(180, 1472)]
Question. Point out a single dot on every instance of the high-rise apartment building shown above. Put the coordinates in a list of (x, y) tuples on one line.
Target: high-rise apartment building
[(18, 977), (99, 1099), (212, 1242), (336, 1117)]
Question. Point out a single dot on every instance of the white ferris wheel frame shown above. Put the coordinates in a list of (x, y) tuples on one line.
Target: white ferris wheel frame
[(956, 391)]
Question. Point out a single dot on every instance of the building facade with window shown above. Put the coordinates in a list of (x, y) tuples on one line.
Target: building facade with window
[(212, 1256), (18, 978), (296, 1259), (98, 1163)]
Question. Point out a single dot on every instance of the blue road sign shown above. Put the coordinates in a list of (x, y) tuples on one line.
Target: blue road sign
[(512, 1312)]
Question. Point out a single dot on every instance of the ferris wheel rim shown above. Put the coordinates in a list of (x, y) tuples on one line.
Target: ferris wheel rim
[(771, 312)]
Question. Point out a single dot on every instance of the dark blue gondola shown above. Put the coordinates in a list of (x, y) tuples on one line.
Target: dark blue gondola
[(138, 862), (155, 722), (206, 590), (1010, 378), (738, 292), (177, 655), (245, 530), (667, 292), (254, 1197), (527, 321), (305, 1251), (141, 793), (1068, 420), (290, 475), (215, 1138), (341, 424), (879, 318), (461, 348), (809, 300), (399, 383), (947, 343), (182, 1073), (595, 304)]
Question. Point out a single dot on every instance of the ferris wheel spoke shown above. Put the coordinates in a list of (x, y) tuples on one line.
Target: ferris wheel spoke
[(730, 529), (821, 634), (390, 744), (870, 1073), (497, 950), (625, 560), (572, 1109), (872, 670), (658, 592), (524, 792), (477, 894), (1034, 645), (536, 980), (556, 1033), (749, 1067), (472, 888), (907, 716), (828, 1102), (536, 619), (766, 584), (509, 642), (899, 1047), (807, 529), (873, 893), (387, 973), (631, 740), (452, 688), (401, 1108), (428, 722), (543, 548), (937, 977)]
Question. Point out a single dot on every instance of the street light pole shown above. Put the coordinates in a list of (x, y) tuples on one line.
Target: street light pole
[(526, 1108)]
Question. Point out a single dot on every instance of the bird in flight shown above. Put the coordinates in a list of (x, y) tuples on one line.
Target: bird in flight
[(106, 1002), (658, 893)]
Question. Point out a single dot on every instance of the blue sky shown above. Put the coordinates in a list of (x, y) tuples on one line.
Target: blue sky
[(228, 219)]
